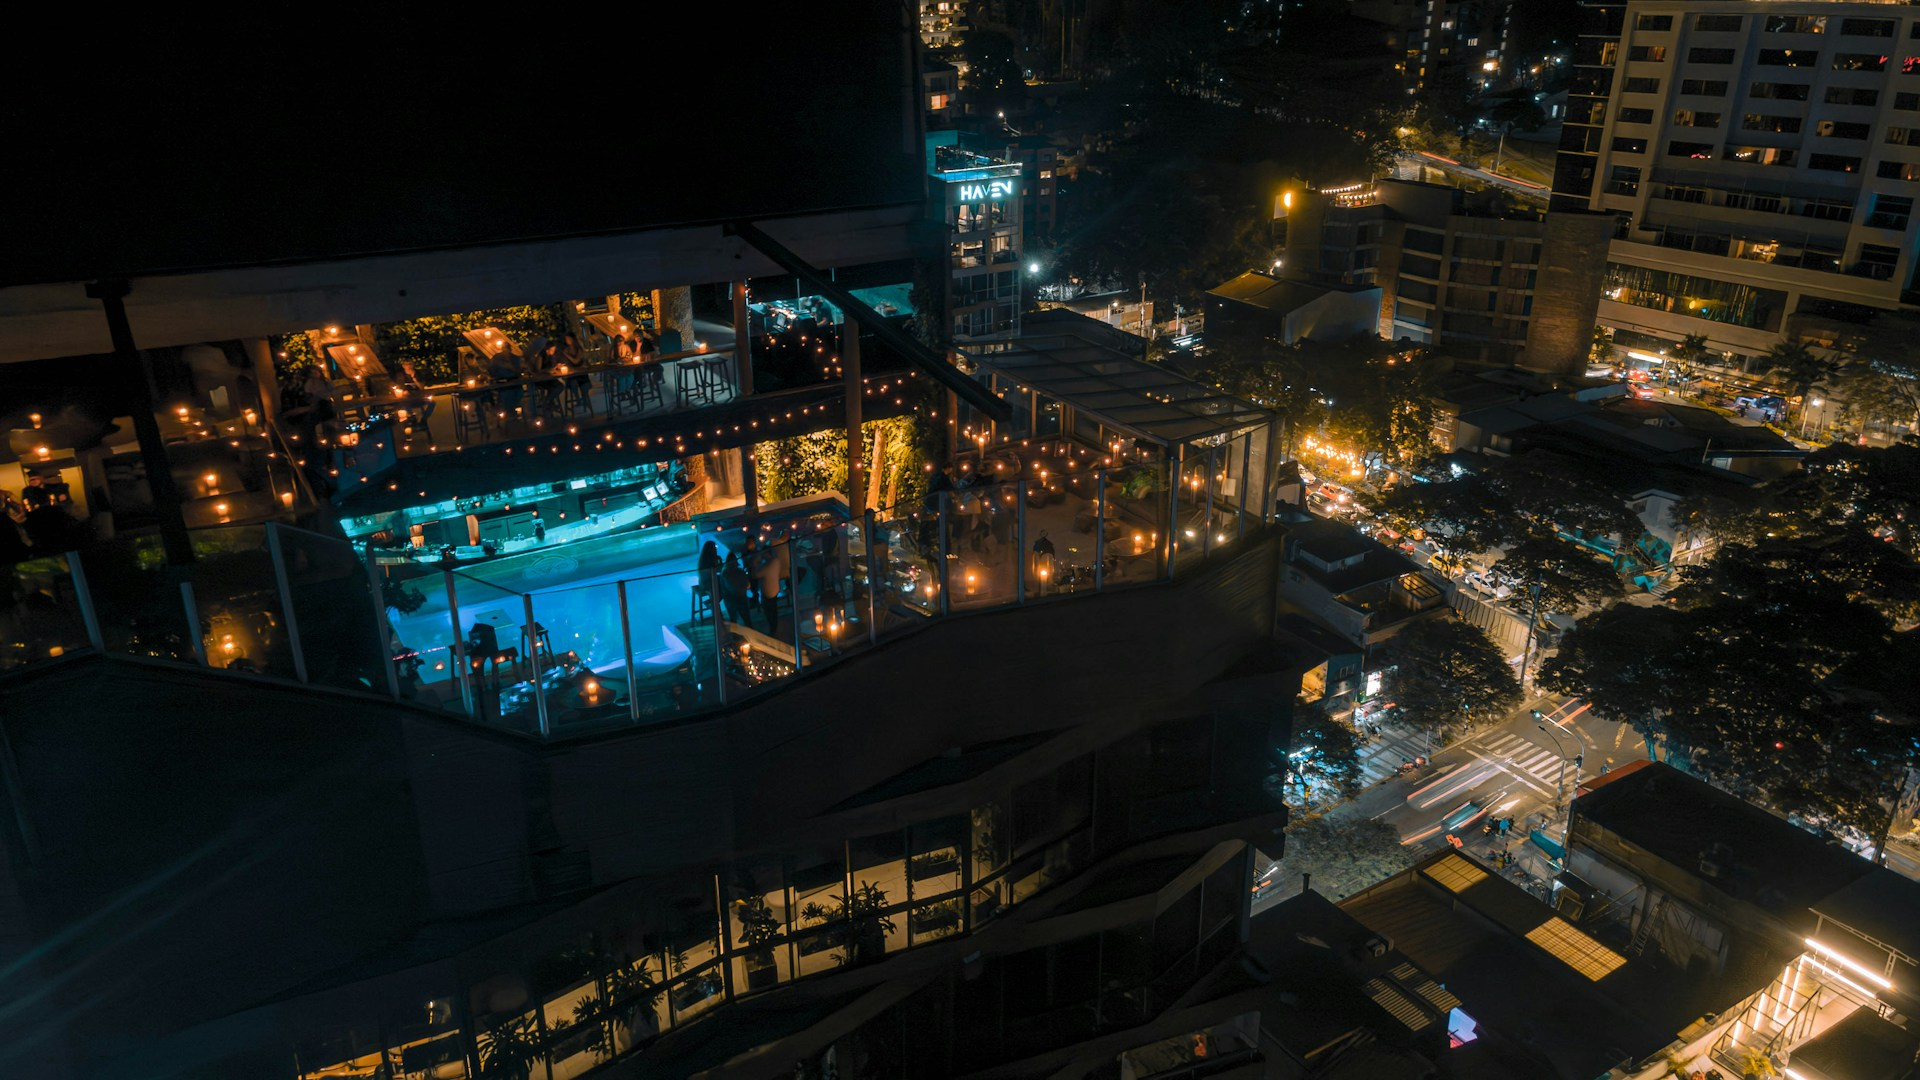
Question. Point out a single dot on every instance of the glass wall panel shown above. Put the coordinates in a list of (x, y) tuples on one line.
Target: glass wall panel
[(420, 626), (830, 620), (983, 560), (874, 913), (39, 612), (755, 896), (138, 606), (579, 653), (819, 881), (334, 607), (992, 845), (242, 622), (908, 577), (1137, 506), (500, 664)]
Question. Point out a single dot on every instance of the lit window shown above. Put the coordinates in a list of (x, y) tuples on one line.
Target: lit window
[(1575, 949), (1455, 874)]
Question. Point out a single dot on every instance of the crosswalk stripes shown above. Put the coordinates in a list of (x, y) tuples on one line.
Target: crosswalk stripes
[(1382, 756), (1524, 755)]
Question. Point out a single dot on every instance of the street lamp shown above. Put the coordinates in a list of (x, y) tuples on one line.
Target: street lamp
[(1560, 783)]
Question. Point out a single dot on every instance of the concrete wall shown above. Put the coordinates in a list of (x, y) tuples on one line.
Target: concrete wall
[(191, 846), (1566, 294), (1335, 316)]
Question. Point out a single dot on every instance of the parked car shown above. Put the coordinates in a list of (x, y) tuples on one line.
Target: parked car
[(1487, 585)]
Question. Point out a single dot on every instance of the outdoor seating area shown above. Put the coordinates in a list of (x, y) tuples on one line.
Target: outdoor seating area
[(510, 389)]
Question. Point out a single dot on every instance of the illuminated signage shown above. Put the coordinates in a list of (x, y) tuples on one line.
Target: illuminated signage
[(992, 189)]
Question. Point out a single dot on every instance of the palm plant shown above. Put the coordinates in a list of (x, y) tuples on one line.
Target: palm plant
[(1801, 369), (1682, 358)]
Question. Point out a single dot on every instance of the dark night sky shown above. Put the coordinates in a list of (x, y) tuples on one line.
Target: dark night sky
[(142, 143)]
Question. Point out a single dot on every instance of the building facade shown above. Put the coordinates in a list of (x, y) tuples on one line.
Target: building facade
[(982, 203), (1757, 161), (1503, 284)]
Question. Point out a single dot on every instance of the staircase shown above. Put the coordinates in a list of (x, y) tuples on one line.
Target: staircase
[(1775, 1021), (1644, 932)]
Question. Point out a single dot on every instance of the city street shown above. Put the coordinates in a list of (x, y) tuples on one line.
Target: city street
[(1512, 769)]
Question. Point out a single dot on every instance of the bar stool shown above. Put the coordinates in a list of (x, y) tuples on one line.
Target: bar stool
[(690, 381), (653, 386), (469, 417), (540, 641), (715, 370), (578, 396)]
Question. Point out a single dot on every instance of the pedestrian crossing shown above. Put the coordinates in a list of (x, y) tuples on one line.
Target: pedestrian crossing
[(1526, 757), (1383, 754)]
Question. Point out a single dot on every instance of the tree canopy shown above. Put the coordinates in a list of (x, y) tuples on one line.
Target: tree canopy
[(1772, 669), (1448, 672)]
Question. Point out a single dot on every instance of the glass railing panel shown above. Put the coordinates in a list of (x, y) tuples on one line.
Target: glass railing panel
[(983, 549), (830, 622), (420, 625), (758, 652), (1136, 514), (902, 561), (672, 625), (578, 654), (335, 610), (241, 617), (1192, 523), (1061, 481), (137, 601), (40, 614), (501, 662)]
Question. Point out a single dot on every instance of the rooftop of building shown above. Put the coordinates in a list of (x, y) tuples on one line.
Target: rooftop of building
[(1332, 542), (1259, 289), (1861, 1047), (428, 133), (1737, 848), (1880, 905), (1524, 972)]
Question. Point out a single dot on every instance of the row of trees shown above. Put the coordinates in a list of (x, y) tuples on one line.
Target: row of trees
[(1781, 667), (1524, 505), (1364, 393)]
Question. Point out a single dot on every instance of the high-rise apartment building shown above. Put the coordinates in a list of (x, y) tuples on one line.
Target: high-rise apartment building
[(1761, 160), (983, 207)]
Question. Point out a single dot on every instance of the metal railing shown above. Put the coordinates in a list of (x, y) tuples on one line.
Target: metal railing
[(471, 640)]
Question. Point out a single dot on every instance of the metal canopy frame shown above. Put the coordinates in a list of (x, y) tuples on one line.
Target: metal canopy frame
[(1144, 400), (922, 357)]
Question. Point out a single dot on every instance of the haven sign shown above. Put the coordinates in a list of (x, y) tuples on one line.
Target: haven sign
[(992, 189)]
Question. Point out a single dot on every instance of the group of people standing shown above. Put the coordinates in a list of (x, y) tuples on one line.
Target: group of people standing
[(749, 579), (977, 508)]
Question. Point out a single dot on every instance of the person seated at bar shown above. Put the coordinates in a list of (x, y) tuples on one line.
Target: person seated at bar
[(503, 366), (569, 352), (620, 349)]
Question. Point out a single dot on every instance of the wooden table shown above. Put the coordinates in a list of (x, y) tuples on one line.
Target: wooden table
[(490, 342), (355, 360)]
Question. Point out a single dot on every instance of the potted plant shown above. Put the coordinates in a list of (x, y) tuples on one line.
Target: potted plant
[(857, 923), (759, 926), (508, 1050)]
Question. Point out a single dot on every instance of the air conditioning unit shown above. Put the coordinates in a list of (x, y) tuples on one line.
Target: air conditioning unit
[(1709, 868), (1378, 945), (1824, 127)]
